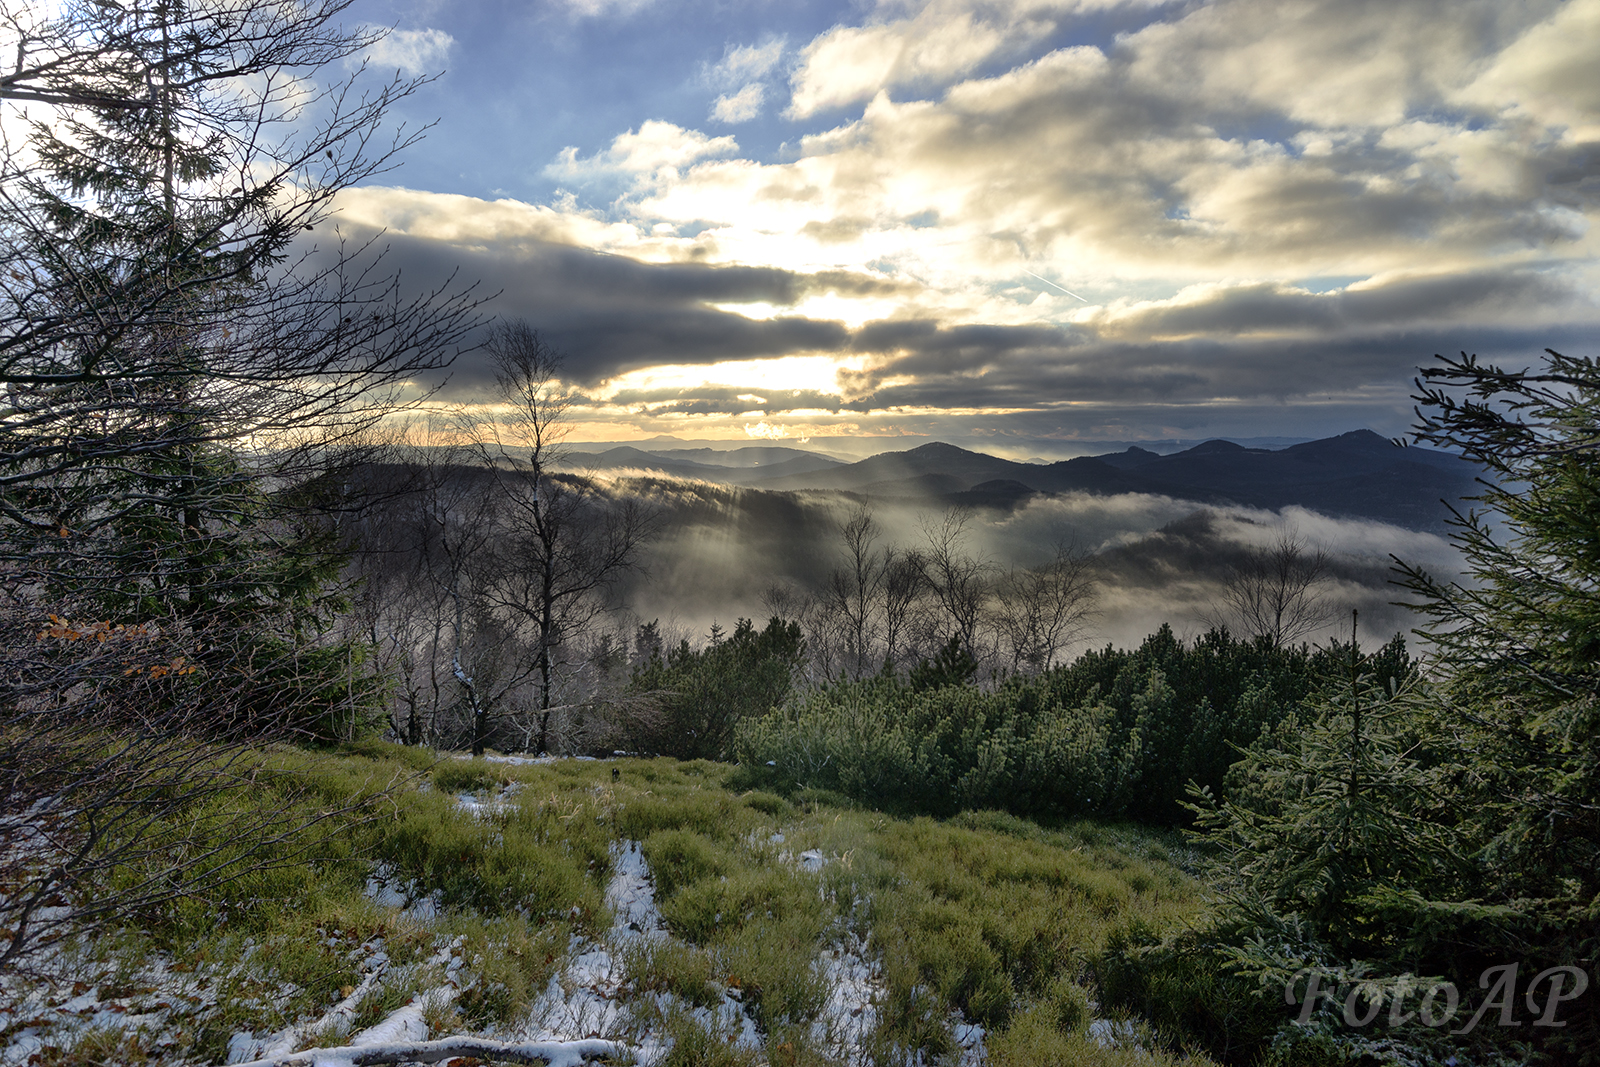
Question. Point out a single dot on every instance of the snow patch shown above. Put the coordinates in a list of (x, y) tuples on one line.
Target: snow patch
[(487, 807), (1114, 1033), (855, 988), (584, 999), (386, 890), (970, 1037), (591, 997)]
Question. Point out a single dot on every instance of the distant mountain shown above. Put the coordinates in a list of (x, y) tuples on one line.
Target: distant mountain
[(628, 457), (748, 456), (1358, 474), (881, 472), (740, 466), (1133, 457)]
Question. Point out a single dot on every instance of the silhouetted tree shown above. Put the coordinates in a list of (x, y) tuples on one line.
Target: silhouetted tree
[(565, 543), (1277, 593)]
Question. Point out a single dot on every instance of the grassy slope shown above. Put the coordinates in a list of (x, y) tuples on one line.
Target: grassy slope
[(984, 914)]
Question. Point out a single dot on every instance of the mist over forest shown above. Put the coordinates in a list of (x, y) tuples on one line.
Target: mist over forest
[(1156, 559)]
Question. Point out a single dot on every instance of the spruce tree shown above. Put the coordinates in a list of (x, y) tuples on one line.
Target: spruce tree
[(1453, 826), (185, 370)]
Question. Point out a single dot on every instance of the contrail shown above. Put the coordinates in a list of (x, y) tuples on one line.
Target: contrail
[(1063, 288)]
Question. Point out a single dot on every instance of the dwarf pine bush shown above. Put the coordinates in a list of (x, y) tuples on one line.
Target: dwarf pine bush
[(1117, 733)]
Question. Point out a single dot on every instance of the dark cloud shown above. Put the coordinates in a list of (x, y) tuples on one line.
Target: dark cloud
[(1227, 359), (1362, 376), (1271, 307), (609, 314)]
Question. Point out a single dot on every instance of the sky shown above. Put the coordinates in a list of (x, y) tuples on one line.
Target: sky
[(1026, 222)]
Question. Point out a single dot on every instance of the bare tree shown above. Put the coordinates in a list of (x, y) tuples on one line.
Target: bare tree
[(1277, 593), (853, 591), (1042, 610), (903, 586), (959, 583), (430, 557), (149, 297), (566, 543), (179, 365)]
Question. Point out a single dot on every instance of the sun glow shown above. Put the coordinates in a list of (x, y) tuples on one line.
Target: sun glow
[(852, 311), (751, 377)]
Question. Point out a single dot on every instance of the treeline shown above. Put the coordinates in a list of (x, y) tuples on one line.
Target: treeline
[(1115, 734), (482, 630)]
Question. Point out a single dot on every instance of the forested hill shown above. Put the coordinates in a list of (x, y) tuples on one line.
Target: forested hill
[(1358, 474)]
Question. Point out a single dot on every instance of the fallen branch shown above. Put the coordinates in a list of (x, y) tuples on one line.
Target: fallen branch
[(548, 1053)]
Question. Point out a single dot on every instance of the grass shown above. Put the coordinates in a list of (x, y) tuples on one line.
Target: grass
[(984, 917)]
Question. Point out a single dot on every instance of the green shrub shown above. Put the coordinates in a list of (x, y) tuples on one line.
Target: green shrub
[(1184, 986), (1115, 734), (705, 693), (681, 857), (468, 776), (767, 803), (669, 966)]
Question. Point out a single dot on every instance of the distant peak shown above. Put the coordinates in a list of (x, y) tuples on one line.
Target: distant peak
[(1216, 445), (940, 448), (1361, 440)]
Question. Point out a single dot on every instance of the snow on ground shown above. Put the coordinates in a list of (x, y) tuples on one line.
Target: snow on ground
[(1114, 1033), (404, 1024), (71, 994), (591, 996), (970, 1037), (484, 807), (525, 761), (385, 889), (632, 898), (855, 987)]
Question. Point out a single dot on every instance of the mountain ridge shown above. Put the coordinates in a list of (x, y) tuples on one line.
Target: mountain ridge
[(1358, 474)]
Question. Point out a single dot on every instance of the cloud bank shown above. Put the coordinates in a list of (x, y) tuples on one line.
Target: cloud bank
[(1273, 212)]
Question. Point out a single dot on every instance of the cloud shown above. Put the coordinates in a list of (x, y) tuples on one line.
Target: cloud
[(940, 41), (656, 148), (1529, 297), (741, 106), (1274, 212), (602, 8), (748, 62), (412, 52), (611, 313), (1213, 358), (1547, 74)]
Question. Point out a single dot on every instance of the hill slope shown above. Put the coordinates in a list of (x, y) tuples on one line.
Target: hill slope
[(1357, 474)]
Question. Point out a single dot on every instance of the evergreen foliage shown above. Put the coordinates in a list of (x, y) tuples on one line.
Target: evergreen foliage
[(1518, 707), (705, 693), (181, 382), (951, 665), (1116, 733), (1395, 839)]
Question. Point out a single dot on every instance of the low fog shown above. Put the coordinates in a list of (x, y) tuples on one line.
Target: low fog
[(724, 552)]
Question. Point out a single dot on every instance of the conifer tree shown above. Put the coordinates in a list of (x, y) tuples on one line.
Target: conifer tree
[(1452, 827), (184, 367)]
